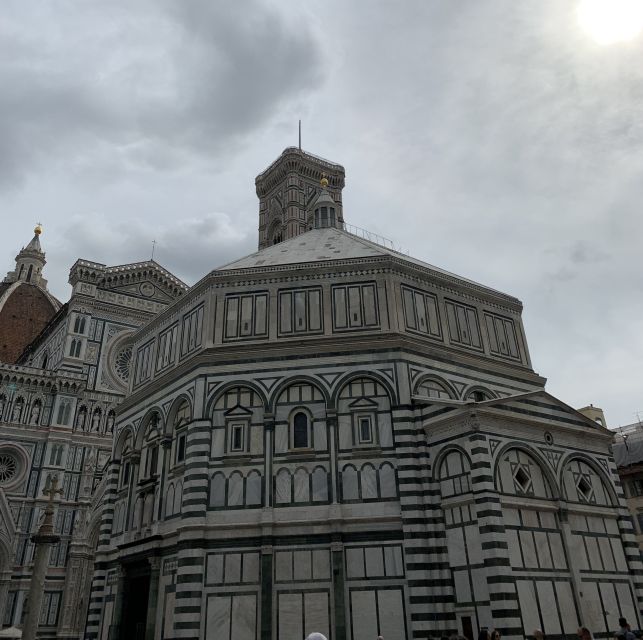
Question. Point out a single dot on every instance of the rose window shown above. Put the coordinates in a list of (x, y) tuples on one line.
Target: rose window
[(122, 363), (8, 467)]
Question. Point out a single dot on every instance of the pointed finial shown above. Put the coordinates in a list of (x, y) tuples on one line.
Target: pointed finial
[(38, 229), (324, 181)]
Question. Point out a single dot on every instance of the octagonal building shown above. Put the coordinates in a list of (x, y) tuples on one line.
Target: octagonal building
[(328, 435)]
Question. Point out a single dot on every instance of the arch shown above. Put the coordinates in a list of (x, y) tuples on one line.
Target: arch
[(453, 472), (301, 429), (278, 391), (174, 409), (439, 459), (319, 478), (254, 489), (121, 440), (178, 498), (219, 392), (445, 384), (283, 486), (372, 375), (478, 388), (551, 482), (169, 501), (235, 489), (596, 467), (145, 426)]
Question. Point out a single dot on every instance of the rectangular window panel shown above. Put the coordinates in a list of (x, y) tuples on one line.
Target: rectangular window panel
[(420, 312), (285, 312), (354, 307), (463, 323), (300, 311), (409, 308), (232, 317), (246, 316), (261, 315), (314, 310), (339, 308), (502, 336), (432, 315), (191, 330), (370, 305)]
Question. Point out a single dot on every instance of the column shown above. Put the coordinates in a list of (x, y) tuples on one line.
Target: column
[(135, 460), (5, 579), (331, 421), (266, 592), (153, 598), (166, 446), (269, 434), (117, 614), (339, 590)]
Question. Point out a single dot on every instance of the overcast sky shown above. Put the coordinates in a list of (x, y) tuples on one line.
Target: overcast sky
[(494, 138)]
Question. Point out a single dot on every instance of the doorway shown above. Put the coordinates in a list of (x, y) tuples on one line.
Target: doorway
[(136, 595)]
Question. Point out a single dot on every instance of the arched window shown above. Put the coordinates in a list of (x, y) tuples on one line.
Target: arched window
[(433, 389), (478, 395), (29, 273), (74, 348), (181, 418), (79, 324), (300, 431), (45, 359)]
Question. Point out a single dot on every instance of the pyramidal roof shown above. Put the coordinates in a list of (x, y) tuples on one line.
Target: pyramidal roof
[(328, 244)]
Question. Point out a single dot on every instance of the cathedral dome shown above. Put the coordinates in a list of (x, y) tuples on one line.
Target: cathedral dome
[(26, 306)]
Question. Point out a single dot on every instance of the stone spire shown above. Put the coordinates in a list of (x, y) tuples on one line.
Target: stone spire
[(30, 263), (325, 212)]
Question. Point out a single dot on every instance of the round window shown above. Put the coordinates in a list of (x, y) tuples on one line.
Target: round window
[(8, 467)]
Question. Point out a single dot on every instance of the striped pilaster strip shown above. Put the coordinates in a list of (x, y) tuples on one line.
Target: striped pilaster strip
[(196, 479), (505, 608), (189, 591), (430, 585)]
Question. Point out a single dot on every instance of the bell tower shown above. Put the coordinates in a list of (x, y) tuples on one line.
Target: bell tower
[(288, 190)]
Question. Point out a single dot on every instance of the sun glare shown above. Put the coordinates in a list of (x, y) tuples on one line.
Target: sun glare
[(610, 21)]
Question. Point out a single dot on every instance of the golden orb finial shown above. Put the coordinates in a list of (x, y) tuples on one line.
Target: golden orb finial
[(324, 181), (38, 229)]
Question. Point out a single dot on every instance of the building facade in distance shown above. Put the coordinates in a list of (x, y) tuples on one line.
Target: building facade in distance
[(328, 435), (58, 399)]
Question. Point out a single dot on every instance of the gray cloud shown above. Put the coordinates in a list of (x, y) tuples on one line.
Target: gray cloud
[(493, 139)]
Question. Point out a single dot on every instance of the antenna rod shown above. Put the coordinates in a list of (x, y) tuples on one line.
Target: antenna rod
[(300, 135)]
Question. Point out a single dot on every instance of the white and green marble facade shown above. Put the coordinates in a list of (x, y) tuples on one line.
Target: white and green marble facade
[(475, 496)]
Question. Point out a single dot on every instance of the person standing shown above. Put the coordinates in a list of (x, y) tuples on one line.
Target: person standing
[(625, 629)]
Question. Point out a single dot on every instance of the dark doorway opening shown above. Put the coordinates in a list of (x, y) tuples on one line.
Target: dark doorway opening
[(467, 627), (136, 596)]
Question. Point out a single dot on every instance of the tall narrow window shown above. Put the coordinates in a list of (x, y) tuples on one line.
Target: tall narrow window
[(29, 273), (180, 447), (365, 430), (236, 443), (300, 431)]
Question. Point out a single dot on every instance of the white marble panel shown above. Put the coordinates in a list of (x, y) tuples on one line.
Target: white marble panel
[(345, 429), (289, 610), (178, 498), (388, 488), (527, 599), (364, 615), (474, 547), (281, 438), (528, 549), (619, 555), (529, 518), (547, 520), (283, 566), (217, 618), (626, 603), (462, 586), (547, 600), (302, 565), (253, 488), (168, 615), (593, 609), (606, 554), (256, 440), (316, 612), (596, 524), (107, 617), (244, 616), (283, 487), (594, 558), (558, 552), (510, 516), (302, 487), (391, 612), (385, 430), (319, 436), (320, 485), (610, 604), (542, 549), (251, 563), (354, 562), (218, 442), (577, 522), (217, 490), (514, 548), (393, 562), (321, 564), (349, 483), (455, 547), (214, 569), (480, 587), (368, 478), (611, 526), (235, 489), (232, 568), (374, 558), (566, 607)]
